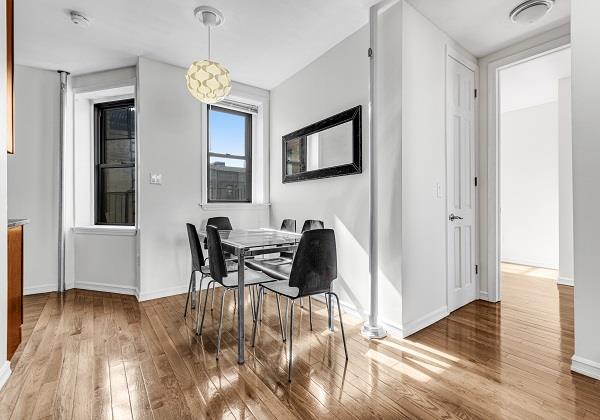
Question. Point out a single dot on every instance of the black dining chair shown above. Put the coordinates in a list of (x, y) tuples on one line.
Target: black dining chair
[(288, 225), (313, 271), (199, 265), (221, 223), (312, 225), (228, 280)]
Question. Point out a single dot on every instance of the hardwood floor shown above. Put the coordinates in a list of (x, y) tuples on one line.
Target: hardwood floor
[(100, 355)]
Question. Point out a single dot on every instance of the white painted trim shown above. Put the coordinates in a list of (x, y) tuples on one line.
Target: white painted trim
[(483, 295), (4, 373), (493, 228), (529, 263), (233, 206), (425, 321), (157, 294), (104, 287), (565, 281), (44, 288), (105, 230), (585, 367)]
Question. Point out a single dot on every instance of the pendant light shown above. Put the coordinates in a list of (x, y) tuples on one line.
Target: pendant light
[(207, 80)]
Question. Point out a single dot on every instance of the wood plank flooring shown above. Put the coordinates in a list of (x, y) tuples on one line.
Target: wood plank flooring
[(91, 355)]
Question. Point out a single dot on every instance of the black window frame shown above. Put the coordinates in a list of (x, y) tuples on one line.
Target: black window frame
[(99, 147), (247, 157)]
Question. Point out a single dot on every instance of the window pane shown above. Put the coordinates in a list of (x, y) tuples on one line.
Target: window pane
[(119, 123), (228, 180), (227, 132), (117, 196), (119, 151)]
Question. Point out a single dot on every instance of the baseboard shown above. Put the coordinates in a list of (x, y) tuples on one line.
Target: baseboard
[(431, 318), (484, 295), (585, 367), (44, 288), (157, 294), (4, 373), (529, 263), (103, 287), (566, 281)]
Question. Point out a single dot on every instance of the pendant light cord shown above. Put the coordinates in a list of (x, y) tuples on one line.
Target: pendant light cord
[(208, 41)]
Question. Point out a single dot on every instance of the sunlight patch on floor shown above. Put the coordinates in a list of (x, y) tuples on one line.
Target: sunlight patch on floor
[(525, 270)]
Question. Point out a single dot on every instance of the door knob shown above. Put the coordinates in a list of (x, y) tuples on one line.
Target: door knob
[(452, 217)]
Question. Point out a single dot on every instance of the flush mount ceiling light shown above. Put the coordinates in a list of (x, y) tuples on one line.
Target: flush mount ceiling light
[(79, 19), (531, 10), (207, 80)]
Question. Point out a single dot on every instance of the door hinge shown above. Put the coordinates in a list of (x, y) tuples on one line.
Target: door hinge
[(476, 269), (475, 93), (475, 181), (370, 52)]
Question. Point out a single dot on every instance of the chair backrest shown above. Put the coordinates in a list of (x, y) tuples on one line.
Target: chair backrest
[(315, 263), (288, 225), (312, 225), (195, 247), (215, 254), (221, 223)]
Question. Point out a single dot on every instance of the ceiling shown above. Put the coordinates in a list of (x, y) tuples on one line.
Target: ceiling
[(482, 26), (533, 82), (262, 42)]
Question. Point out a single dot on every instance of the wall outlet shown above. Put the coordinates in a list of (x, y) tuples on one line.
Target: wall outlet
[(156, 179)]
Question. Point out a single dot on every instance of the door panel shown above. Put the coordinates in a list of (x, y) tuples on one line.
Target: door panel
[(460, 143)]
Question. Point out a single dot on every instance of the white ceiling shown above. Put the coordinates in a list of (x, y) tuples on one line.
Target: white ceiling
[(533, 82), (262, 42), (483, 26)]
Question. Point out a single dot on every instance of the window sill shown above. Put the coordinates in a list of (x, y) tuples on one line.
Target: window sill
[(106, 230), (234, 206)]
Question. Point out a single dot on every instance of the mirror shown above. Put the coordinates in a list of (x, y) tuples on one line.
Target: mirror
[(331, 147)]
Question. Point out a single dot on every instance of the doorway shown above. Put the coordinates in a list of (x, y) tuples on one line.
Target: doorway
[(534, 171)]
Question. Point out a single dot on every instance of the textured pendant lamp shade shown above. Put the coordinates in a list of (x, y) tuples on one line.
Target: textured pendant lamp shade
[(208, 81)]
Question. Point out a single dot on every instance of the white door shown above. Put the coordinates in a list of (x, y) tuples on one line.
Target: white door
[(461, 197)]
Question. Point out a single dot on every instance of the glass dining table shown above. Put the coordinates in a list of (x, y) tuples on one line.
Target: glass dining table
[(245, 243)]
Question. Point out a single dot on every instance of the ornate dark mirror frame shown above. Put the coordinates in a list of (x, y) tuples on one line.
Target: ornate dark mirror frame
[(355, 116)]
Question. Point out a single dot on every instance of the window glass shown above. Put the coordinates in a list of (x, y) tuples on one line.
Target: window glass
[(229, 155), (115, 163)]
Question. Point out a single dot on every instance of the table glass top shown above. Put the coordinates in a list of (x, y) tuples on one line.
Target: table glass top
[(251, 238)]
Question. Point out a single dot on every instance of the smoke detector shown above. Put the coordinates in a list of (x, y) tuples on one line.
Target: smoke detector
[(79, 19), (531, 10)]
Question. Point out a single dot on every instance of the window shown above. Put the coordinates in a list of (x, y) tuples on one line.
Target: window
[(115, 163), (229, 156)]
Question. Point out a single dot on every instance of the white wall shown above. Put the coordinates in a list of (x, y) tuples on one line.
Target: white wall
[(169, 131), (335, 82), (565, 183), (586, 194), (529, 186), (4, 364), (424, 288), (92, 247), (411, 162), (33, 174)]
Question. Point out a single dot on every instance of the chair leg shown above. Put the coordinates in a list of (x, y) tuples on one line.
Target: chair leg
[(235, 299), (187, 299), (341, 322), (280, 322), (251, 292), (192, 300), (259, 304), (329, 312), (291, 334), (212, 300), (201, 323), (310, 313), (225, 290)]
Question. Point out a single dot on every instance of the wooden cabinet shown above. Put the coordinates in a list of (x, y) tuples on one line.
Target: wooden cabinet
[(15, 289)]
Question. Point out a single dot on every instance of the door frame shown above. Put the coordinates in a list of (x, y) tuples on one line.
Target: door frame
[(493, 227), (471, 64)]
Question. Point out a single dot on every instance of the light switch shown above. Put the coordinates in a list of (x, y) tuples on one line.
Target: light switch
[(156, 179)]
